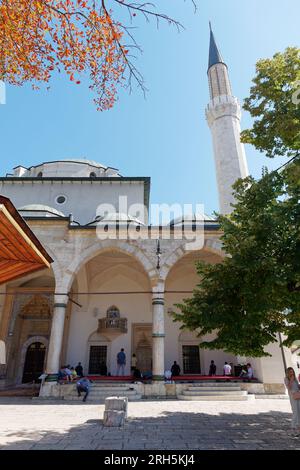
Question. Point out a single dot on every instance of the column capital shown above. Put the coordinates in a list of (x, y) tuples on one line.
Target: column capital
[(158, 291), (61, 300)]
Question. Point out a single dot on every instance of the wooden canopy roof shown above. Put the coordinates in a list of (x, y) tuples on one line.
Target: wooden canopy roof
[(21, 252)]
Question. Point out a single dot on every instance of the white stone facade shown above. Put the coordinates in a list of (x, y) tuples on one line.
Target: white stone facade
[(90, 275)]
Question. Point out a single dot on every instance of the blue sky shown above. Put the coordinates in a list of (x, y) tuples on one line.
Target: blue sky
[(164, 136)]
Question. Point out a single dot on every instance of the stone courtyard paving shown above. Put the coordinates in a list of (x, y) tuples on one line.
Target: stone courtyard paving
[(153, 425)]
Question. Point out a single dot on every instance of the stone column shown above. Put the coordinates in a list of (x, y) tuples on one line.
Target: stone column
[(158, 334), (56, 337)]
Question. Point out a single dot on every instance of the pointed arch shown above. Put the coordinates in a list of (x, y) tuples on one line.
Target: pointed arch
[(99, 248)]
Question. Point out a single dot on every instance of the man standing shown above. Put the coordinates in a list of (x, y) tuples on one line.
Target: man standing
[(212, 368), (175, 369), (121, 361), (79, 369)]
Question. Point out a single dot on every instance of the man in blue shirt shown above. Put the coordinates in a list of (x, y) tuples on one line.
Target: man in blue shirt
[(83, 385), (121, 361)]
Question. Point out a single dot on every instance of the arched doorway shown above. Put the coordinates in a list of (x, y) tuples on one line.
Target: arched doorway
[(34, 362)]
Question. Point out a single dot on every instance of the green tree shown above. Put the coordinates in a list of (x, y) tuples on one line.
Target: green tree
[(255, 292), (273, 103)]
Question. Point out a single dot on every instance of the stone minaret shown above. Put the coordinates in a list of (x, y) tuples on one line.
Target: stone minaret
[(223, 115)]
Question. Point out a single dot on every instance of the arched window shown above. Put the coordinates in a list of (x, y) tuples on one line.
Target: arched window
[(113, 312), (40, 174), (93, 175)]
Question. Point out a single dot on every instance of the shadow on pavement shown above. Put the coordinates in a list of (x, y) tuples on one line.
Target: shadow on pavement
[(168, 431)]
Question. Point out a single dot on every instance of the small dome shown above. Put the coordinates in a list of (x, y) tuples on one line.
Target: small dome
[(119, 217), (83, 160), (36, 208), (192, 219), (68, 168)]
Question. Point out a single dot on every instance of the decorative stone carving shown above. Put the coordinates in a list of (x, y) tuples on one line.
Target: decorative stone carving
[(38, 306), (142, 346)]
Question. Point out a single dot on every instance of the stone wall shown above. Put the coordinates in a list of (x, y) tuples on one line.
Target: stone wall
[(159, 389)]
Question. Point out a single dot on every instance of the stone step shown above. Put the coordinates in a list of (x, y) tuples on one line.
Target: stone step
[(215, 397), (271, 396), (214, 384), (111, 384), (110, 389), (217, 392), (105, 393), (214, 389), (99, 393), (127, 393), (100, 399)]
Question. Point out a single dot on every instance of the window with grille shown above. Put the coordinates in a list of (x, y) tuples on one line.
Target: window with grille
[(191, 360), (113, 312)]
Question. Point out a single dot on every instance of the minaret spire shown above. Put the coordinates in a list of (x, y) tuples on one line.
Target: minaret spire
[(223, 115), (218, 75), (215, 56)]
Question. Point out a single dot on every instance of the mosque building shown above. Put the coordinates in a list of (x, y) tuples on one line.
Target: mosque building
[(115, 278)]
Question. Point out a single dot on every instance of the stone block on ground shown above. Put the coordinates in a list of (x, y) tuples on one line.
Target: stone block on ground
[(114, 418), (117, 404)]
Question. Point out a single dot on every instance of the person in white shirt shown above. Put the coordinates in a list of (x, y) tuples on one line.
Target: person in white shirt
[(226, 369)]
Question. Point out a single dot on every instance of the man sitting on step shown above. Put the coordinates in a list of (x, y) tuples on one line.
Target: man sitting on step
[(247, 374)]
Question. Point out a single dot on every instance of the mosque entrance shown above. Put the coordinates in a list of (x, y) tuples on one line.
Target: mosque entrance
[(98, 360), (34, 362), (191, 359)]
